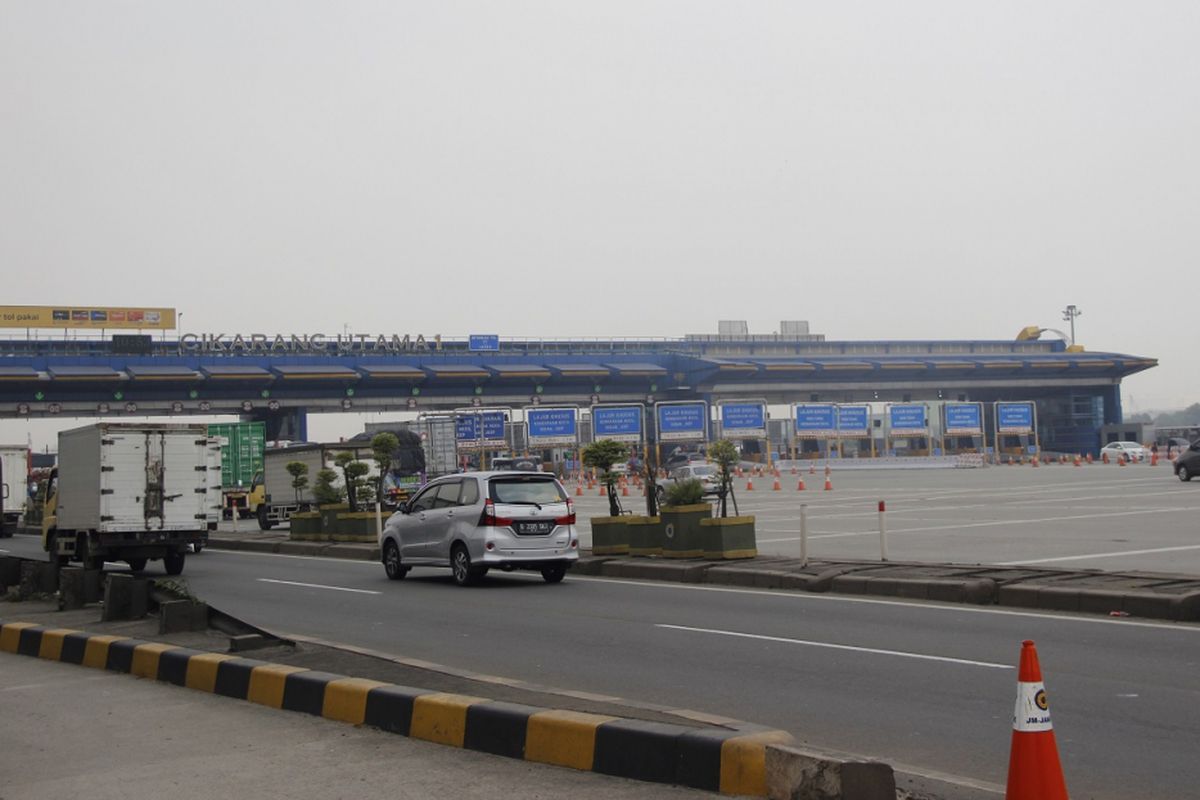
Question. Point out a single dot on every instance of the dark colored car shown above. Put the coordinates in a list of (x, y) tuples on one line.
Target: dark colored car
[(1188, 463)]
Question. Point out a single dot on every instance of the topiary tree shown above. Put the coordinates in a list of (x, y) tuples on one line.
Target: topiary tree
[(299, 472), (325, 489), (650, 474), (353, 471), (684, 493), (724, 453), (601, 455)]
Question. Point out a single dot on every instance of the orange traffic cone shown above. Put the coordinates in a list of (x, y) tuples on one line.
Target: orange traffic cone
[(579, 490), (738, 472), (1034, 772), (1077, 462), (800, 485), (625, 490), (1035, 461), (1154, 459), (775, 487), (600, 492), (1121, 460), (1104, 457), (1089, 458), (828, 484), (749, 484)]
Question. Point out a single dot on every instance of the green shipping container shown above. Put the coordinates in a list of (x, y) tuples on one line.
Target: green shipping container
[(242, 456)]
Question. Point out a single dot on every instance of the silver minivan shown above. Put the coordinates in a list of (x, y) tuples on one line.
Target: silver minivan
[(476, 521)]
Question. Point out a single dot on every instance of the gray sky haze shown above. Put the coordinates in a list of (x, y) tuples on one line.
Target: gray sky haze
[(919, 170)]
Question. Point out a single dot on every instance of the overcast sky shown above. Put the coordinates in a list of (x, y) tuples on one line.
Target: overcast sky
[(885, 170)]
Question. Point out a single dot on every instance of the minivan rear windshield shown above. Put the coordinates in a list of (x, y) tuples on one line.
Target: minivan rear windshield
[(525, 490)]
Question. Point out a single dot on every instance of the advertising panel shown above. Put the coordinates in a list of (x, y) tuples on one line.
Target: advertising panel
[(963, 418), (907, 419), (1014, 417), (744, 420), (619, 423), (548, 427), (682, 422), (815, 420), (854, 421), (117, 317)]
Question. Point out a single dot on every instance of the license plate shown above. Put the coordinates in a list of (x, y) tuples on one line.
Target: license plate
[(534, 528)]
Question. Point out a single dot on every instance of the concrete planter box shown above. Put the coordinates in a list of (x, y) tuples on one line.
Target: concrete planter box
[(610, 536), (728, 537), (305, 524), (329, 515), (681, 530), (357, 526), (645, 536)]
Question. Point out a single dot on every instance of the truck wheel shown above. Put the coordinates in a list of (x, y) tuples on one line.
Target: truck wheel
[(264, 522), (136, 564), (173, 562)]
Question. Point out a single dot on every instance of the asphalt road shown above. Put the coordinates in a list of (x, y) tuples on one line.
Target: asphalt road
[(1093, 517), (919, 685)]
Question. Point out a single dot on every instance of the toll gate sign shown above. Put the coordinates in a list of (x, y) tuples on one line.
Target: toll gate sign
[(853, 421), (963, 419), (619, 423), (479, 429), (1014, 417), (907, 419), (682, 422), (744, 420), (815, 420), (549, 427)]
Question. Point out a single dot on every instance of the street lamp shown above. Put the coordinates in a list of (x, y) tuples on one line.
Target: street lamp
[(1069, 315)]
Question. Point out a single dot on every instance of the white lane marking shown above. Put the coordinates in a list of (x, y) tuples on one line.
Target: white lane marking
[(318, 586), (989, 524), (960, 609), (832, 646), (1116, 554)]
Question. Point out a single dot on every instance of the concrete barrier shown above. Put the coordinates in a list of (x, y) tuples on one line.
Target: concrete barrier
[(714, 759), (793, 773)]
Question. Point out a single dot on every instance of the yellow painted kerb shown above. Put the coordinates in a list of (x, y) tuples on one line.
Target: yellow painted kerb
[(346, 699), (441, 718), (10, 635), (95, 654), (565, 738), (744, 762), (267, 682), (145, 659), (202, 671), (52, 643)]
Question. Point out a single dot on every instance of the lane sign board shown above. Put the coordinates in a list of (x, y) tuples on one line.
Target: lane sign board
[(815, 420), (1014, 417), (963, 418), (853, 420), (743, 419), (619, 423), (907, 419), (551, 426), (682, 422)]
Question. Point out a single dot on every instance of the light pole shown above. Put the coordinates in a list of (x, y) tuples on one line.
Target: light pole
[(1069, 315)]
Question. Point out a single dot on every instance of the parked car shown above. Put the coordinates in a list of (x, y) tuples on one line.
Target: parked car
[(1188, 464), (707, 474), (1132, 451), (475, 521)]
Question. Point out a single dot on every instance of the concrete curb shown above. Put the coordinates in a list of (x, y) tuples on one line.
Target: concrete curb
[(714, 759)]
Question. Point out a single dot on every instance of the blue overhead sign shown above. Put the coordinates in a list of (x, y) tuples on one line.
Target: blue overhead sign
[(619, 423), (682, 421), (478, 342), (467, 427), (907, 419), (815, 420), (963, 418), (853, 420), (1014, 417), (550, 426), (743, 419)]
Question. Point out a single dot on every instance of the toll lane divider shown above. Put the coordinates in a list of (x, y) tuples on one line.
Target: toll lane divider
[(715, 759)]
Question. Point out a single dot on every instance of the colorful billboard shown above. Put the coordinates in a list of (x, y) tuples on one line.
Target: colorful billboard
[(116, 317)]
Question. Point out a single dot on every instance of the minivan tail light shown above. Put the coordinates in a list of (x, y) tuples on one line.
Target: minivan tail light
[(489, 519), (569, 519)]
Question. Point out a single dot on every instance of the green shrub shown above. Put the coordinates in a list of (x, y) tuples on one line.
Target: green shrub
[(684, 493), (325, 489)]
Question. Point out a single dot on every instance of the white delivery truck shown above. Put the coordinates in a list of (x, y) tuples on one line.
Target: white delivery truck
[(14, 485), (132, 492), (281, 499)]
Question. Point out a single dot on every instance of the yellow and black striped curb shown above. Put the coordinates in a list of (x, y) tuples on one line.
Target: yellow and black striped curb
[(715, 759)]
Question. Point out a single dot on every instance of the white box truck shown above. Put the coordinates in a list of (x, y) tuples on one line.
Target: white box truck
[(132, 492), (14, 485)]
